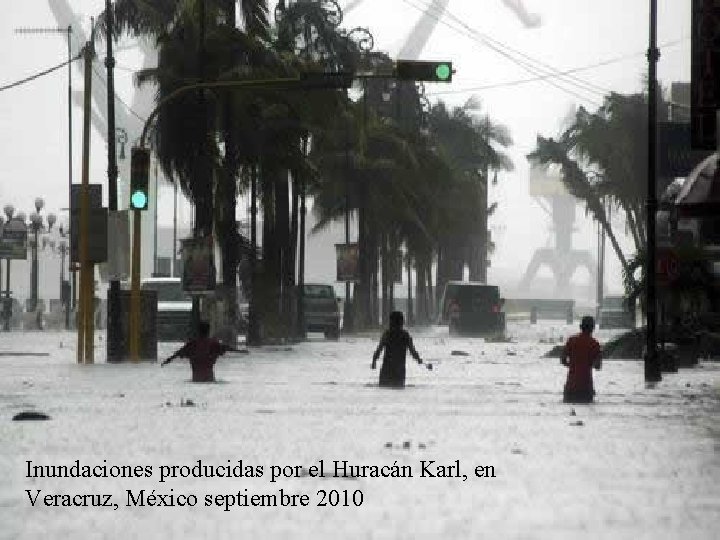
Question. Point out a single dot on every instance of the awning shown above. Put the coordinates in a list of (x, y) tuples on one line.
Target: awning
[(700, 195)]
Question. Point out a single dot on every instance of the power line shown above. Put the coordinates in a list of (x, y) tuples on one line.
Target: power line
[(545, 73), (527, 63), (100, 76), (518, 82), (499, 48), (39, 74)]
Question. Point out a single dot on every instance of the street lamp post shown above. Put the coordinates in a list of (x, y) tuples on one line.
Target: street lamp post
[(36, 224), (64, 290), (7, 307)]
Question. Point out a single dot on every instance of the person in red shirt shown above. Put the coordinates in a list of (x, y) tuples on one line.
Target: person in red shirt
[(584, 354), (202, 352), (396, 341)]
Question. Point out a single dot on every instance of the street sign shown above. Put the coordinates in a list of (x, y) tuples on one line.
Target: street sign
[(94, 196), (13, 242), (705, 76), (97, 235)]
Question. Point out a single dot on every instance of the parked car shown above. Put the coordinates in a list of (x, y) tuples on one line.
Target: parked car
[(471, 308), (321, 310), (615, 314), (174, 308)]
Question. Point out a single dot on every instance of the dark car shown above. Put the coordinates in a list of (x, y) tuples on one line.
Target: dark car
[(321, 310), (471, 308), (174, 308)]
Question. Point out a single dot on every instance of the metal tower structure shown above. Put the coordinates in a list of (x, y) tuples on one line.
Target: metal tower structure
[(562, 259)]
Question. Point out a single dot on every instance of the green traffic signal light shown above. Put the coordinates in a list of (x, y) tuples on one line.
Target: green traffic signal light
[(443, 71), (138, 200)]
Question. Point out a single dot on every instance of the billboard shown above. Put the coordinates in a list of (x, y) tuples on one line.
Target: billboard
[(13, 242), (347, 262), (198, 275), (705, 76), (97, 235)]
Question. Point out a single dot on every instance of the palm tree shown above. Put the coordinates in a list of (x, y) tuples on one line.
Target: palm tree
[(604, 155), (470, 145), (199, 40)]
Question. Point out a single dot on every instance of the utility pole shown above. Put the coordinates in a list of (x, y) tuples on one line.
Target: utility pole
[(85, 346), (113, 305), (174, 244), (652, 366)]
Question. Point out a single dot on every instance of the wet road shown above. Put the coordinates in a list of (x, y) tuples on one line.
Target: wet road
[(640, 463)]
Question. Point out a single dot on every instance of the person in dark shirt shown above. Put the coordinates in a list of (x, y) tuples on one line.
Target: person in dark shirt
[(396, 341), (202, 352), (584, 354)]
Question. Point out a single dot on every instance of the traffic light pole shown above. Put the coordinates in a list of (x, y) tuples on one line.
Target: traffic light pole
[(134, 325), (113, 311), (139, 182), (85, 346)]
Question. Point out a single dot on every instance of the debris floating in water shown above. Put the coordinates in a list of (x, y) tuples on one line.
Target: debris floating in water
[(30, 415)]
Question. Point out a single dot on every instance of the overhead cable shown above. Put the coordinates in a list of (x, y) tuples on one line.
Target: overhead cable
[(39, 74)]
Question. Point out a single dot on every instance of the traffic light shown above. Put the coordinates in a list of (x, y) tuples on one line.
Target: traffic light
[(417, 70), (139, 173)]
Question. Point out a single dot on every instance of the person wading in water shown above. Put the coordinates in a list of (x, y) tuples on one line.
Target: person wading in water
[(584, 354), (396, 341), (202, 352)]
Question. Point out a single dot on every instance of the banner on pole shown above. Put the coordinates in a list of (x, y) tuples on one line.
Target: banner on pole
[(347, 262), (198, 274)]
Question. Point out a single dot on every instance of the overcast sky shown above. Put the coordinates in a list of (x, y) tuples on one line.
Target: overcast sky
[(573, 34)]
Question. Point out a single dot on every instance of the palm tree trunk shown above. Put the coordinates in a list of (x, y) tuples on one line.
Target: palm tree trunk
[(269, 276), (613, 240), (285, 270), (294, 221), (420, 292), (632, 225), (410, 317), (433, 301), (363, 306), (384, 271), (375, 262)]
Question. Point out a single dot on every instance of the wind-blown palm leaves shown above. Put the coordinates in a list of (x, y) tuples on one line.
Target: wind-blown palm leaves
[(604, 154), (408, 188)]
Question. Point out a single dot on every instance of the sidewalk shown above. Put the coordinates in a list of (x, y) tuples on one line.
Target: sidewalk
[(640, 463)]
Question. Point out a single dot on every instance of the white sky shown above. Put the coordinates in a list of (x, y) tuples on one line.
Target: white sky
[(574, 33)]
